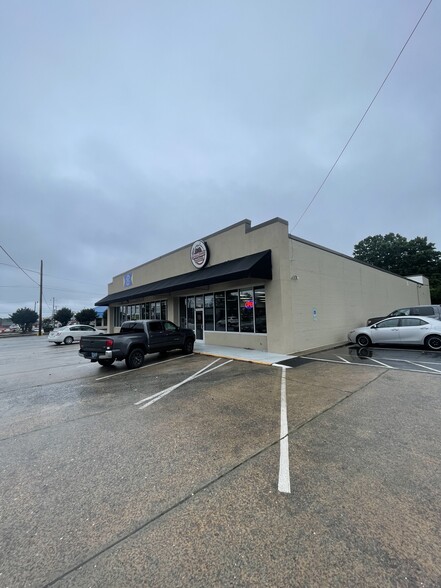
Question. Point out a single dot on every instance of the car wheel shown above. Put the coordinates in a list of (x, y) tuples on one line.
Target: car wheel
[(433, 342), (363, 341), (106, 362), (188, 346), (135, 359), (68, 341)]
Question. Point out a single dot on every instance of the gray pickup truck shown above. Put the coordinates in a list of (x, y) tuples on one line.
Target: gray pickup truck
[(134, 341)]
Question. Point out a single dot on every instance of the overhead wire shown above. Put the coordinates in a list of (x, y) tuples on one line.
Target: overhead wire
[(363, 117), (19, 266)]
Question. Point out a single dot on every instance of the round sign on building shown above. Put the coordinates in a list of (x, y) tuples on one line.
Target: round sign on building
[(199, 254)]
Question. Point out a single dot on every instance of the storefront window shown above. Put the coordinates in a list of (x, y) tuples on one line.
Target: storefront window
[(246, 311), (190, 312), (219, 304), (208, 312), (152, 310), (233, 311), (183, 312), (260, 309)]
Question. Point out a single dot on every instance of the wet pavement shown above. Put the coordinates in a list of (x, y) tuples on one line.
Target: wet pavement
[(168, 475), (405, 358)]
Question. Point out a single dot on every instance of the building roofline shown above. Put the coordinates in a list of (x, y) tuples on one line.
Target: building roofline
[(322, 248)]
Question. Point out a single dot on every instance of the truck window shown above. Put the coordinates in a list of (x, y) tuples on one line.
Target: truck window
[(155, 326), (132, 328), (169, 326)]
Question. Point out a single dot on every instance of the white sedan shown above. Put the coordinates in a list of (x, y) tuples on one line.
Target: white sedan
[(409, 330), (71, 333)]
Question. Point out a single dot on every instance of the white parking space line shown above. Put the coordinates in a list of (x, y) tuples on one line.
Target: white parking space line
[(421, 366), (343, 359), (383, 364), (125, 372), (159, 395), (366, 363), (162, 391), (284, 477)]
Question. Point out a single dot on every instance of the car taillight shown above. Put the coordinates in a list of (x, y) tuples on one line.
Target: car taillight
[(109, 343)]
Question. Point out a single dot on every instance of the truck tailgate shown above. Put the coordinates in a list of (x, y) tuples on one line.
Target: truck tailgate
[(95, 343)]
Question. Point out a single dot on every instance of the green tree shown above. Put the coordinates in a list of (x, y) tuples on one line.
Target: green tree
[(63, 315), (24, 318), (47, 325), (404, 257), (86, 316)]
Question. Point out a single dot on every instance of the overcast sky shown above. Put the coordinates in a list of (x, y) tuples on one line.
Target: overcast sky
[(131, 128)]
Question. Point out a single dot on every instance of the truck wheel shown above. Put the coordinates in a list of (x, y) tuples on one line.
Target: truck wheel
[(68, 341), (188, 346), (135, 359), (106, 362)]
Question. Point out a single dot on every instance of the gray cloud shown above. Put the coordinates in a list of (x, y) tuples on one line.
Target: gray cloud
[(128, 130)]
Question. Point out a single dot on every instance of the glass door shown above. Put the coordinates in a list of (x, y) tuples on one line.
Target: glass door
[(199, 324)]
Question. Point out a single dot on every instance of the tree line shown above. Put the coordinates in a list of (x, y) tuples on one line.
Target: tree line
[(396, 254), (25, 318)]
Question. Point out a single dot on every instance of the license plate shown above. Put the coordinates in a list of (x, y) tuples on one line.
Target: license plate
[(94, 355)]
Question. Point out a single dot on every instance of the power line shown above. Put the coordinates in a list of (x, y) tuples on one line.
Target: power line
[(19, 267), (363, 117), (48, 275)]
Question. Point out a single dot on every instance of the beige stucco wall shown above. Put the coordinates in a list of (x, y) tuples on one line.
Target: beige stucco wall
[(315, 297), (236, 241), (333, 294)]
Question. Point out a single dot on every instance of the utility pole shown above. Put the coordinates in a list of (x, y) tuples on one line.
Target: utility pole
[(40, 318), (53, 313)]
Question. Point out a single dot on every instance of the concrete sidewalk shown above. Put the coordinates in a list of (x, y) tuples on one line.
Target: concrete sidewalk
[(240, 354)]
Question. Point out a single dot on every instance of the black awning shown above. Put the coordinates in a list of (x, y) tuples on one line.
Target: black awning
[(257, 265)]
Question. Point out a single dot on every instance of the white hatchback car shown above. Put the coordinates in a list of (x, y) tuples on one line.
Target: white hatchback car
[(71, 333)]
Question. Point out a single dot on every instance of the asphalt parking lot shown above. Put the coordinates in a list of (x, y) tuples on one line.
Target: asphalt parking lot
[(203, 471), (414, 359)]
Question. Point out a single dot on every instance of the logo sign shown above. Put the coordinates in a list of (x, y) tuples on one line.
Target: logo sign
[(249, 304), (128, 280), (199, 254)]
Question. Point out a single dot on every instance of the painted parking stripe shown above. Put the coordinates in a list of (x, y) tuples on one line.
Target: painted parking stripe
[(342, 358), (162, 391), (383, 364), (422, 366), (193, 377), (284, 477), (365, 364)]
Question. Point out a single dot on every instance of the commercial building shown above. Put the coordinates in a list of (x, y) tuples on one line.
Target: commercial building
[(260, 288)]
